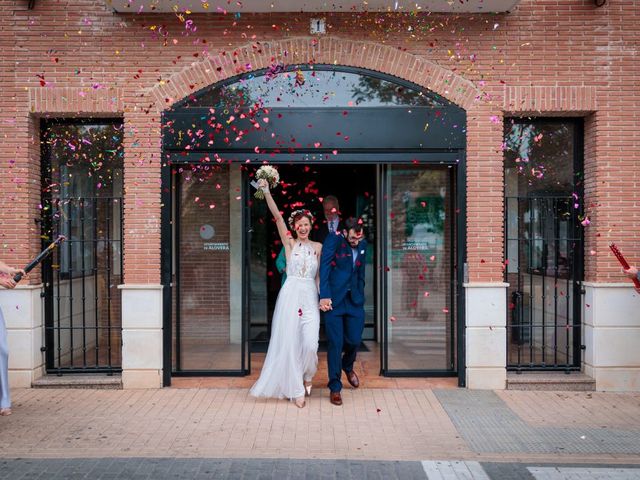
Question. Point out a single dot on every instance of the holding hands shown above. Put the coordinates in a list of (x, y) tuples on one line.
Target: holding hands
[(325, 304)]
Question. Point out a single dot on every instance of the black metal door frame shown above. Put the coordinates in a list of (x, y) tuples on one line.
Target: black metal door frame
[(457, 181), (454, 159), (245, 364)]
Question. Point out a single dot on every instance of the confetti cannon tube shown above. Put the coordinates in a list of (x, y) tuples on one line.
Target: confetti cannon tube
[(623, 262), (41, 256)]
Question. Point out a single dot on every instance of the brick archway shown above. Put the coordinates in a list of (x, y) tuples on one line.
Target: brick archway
[(305, 50), (143, 151)]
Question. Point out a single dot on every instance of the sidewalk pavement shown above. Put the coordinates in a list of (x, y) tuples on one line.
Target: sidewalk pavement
[(488, 431)]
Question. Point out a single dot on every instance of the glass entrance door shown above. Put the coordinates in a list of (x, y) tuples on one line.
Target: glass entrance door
[(419, 278), (208, 322), (226, 271)]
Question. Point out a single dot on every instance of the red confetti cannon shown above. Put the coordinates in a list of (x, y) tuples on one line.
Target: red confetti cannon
[(624, 263), (41, 256)]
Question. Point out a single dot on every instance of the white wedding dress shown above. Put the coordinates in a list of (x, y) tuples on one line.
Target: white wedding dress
[(293, 349)]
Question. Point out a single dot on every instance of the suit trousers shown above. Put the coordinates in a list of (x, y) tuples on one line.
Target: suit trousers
[(343, 326), (5, 398)]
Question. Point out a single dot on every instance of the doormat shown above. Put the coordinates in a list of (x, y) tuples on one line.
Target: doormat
[(261, 347)]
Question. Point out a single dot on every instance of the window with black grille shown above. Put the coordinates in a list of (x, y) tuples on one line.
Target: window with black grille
[(543, 242), (82, 199)]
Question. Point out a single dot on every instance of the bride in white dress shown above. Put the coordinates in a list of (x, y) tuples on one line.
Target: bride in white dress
[(292, 357)]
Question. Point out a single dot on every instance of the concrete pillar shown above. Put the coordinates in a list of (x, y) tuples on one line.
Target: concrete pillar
[(22, 308), (141, 336), (486, 335), (611, 333)]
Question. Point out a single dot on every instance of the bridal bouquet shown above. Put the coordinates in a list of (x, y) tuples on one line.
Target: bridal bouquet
[(270, 174)]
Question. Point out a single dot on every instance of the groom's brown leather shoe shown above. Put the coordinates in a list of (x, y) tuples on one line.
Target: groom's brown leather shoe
[(353, 379), (335, 398)]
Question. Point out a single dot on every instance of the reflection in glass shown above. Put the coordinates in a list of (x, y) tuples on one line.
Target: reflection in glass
[(85, 173), (542, 207), (82, 200), (208, 327), (312, 88), (421, 321)]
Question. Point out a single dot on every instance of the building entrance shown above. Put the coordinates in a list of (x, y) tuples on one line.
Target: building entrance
[(391, 153), (227, 278)]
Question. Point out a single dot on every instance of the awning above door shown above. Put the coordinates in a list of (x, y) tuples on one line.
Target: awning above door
[(257, 6)]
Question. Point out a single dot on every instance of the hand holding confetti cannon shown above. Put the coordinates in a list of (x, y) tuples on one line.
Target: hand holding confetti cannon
[(625, 265), (41, 256)]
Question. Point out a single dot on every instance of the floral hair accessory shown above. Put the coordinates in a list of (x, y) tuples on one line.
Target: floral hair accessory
[(296, 214)]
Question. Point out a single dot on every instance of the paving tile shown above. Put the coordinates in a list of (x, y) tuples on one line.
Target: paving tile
[(373, 424), (489, 425)]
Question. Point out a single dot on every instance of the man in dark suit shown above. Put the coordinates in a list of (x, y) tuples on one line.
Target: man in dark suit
[(331, 223), (342, 266)]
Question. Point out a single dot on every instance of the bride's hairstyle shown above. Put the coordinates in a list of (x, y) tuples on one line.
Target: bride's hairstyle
[(298, 214)]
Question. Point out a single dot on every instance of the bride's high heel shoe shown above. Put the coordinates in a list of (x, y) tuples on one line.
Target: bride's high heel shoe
[(300, 402), (307, 389)]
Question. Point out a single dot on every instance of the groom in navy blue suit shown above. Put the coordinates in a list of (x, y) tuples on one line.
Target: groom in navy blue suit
[(342, 301)]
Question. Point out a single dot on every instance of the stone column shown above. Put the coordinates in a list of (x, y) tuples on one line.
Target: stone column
[(486, 335), (611, 333), (141, 336), (22, 309)]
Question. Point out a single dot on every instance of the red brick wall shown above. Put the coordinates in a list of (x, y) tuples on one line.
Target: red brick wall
[(546, 57)]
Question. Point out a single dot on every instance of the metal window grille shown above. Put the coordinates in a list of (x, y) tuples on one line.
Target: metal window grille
[(82, 300), (544, 294)]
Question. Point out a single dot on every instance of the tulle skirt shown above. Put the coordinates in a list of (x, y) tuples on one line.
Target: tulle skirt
[(292, 356)]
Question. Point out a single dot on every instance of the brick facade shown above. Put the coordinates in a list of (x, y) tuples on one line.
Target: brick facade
[(546, 58)]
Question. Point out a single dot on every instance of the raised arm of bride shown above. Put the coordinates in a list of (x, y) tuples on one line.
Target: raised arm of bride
[(283, 231)]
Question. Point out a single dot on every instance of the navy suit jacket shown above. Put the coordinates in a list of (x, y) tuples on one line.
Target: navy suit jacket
[(320, 234), (338, 274)]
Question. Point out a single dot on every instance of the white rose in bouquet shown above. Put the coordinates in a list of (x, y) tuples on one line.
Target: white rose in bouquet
[(271, 175)]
